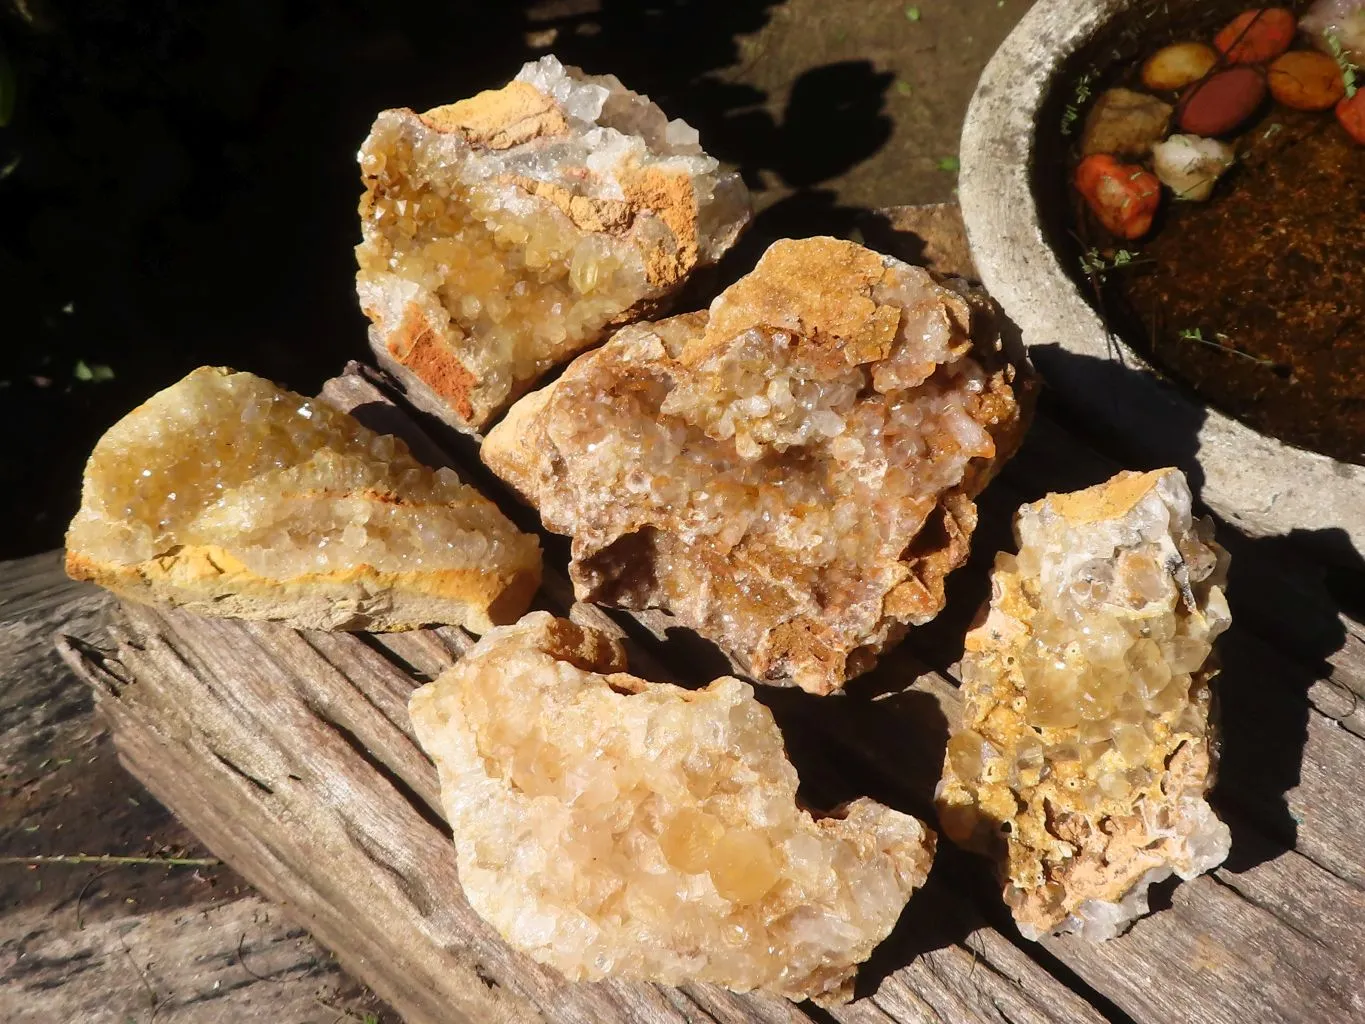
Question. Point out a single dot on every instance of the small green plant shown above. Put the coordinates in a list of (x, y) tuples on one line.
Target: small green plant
[(903, 87), (1223, 343), (912, 14), (1095, 264), (949, 164), (1079, 97), (1348, 69), (93, 373)]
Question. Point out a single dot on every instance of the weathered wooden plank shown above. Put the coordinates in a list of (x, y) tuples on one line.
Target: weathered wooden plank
[(858, 729), (1297, 891), (319, 830), (94, 944), (1248, 964), (169, 964), (1253, 925), (215, 765), (359, 392)]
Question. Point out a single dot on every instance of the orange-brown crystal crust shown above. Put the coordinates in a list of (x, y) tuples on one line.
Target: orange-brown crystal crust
[(1084, 752), (792, 473), (614, 827), (230, 496), (504, 233)]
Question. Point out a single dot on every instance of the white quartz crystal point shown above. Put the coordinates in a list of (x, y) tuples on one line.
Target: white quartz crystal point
[(613, 827), (507, 232), (1337, 27), (230, 496), (1190, 166), (1085, 749)]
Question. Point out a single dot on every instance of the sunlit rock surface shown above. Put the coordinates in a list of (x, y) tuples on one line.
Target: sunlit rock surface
[(506, 232), (610, 826), (791, 474), (231, 496), (1085, 749)]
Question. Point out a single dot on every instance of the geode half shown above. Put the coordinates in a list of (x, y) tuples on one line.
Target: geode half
[(506, 232), (790, 474), (230, 496), (613, 827)]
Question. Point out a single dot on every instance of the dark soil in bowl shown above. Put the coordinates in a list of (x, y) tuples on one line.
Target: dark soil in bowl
[(1254, 300)]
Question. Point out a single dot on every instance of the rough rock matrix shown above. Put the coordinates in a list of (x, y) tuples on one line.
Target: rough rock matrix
[(231, 496), (504, 233), (610, 826), (1085, 749), (791, 474)]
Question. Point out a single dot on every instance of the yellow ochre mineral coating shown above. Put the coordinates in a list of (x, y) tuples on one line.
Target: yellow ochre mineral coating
[(1084, 752), (613, 827), (236, 497), (791, 473), (506, 232)]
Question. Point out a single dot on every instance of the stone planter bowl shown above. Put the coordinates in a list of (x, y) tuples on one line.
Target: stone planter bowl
[(1009, 176)]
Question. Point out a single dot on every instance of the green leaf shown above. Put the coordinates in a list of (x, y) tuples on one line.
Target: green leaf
[(94, 373), (948, 163), (903, 88), (912, 14)]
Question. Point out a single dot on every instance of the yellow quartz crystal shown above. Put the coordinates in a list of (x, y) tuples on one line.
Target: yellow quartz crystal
[(231, 496), (1085, 749), (790, 473), (504, 233), (613, 827)]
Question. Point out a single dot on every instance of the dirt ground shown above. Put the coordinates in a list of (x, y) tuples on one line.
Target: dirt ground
[(184, 194)]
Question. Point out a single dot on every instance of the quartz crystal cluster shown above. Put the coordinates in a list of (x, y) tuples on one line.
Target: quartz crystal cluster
[(506, 232), (231, 496), (792, 473), (1086, 749), (610, 826)]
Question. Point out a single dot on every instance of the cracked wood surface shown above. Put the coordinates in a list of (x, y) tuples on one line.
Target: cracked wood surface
[(291, 755), (106, 944)]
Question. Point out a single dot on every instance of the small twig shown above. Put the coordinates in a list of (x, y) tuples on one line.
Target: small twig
[(105, 858), (142, 976), (241, 959), (80, 897), (1219, 341)]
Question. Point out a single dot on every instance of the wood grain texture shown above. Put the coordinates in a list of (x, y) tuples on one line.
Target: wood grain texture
[(291, 755)]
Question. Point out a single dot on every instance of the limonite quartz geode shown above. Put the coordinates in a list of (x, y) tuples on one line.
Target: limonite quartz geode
[(506, 232), (1085, 749), (791, 473), (230, 496), (613, 827)]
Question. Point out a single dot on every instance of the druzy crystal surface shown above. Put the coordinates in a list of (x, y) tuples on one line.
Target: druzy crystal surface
[(610, 826), (232, 496), (1085, 749), (790, 474), (504, 233)]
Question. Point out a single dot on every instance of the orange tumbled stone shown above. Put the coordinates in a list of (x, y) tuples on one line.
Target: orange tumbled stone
[(1257, 36), (1351, 114), (1124, 197), (1306, 80)]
